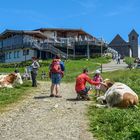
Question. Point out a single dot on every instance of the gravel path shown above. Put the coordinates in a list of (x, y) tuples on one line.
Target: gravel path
[(112, 66), (40, 117)]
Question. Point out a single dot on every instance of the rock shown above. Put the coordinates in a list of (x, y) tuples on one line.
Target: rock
[(56, 106)]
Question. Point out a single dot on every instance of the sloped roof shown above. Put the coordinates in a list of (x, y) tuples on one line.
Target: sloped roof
[(118, 41), (133, 32), (80, 31), (10, 32)]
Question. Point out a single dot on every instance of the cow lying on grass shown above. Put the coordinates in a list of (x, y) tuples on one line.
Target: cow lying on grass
[(10, 80), (117, 95)]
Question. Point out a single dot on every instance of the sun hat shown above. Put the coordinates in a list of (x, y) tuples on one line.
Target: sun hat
[(97, 72)]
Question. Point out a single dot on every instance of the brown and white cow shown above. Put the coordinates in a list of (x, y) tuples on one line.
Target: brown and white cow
[(117, 95), (10, 80)]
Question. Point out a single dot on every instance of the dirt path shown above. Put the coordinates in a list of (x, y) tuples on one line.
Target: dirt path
[(42, 118), (112, 66)]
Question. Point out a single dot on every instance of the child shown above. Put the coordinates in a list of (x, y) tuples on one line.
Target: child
[(97, 77), (43, 75)]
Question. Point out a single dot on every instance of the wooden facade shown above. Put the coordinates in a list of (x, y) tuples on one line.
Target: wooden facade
[(17, 45)]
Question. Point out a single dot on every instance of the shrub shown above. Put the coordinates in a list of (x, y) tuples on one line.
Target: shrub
[(129, 61)]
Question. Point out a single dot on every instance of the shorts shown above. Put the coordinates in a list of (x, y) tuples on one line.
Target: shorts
[(84, 92), (56, 78)]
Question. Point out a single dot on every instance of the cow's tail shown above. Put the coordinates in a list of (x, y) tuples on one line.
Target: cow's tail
[(101, 106), (135, 106)]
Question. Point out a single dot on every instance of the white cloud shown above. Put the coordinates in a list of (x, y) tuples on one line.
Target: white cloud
[(114, 13), (118, 10), (86, 3)]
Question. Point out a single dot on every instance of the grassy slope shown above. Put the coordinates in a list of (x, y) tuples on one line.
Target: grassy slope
[(117, 124), (106, 124), (12, 95), (73, 68)]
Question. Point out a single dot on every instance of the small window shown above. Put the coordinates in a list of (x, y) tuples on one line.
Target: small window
[(10, 55), (0, 44), (133, 37), (6, 55), (25, 52), (17, 54)]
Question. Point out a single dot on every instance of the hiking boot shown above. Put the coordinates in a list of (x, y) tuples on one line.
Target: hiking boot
[(58, 96), (88, 99), (52, 95), (78, 97), (85, 97)]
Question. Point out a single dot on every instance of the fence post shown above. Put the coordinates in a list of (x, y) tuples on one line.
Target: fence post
[(101, 68)]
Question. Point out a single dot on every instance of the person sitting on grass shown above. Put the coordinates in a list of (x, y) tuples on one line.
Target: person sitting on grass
[(98, 78), (80, 86)]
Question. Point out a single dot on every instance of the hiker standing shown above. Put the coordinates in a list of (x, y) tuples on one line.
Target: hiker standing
[(56, 73), (34, 70), (118, 59), (80, 86), (113, 57)]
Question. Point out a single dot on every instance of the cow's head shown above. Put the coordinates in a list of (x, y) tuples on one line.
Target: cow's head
[(18, 79), (10, 78), (107, 83)]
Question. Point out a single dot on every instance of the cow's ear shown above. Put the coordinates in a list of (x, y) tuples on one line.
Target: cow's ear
[(110, 84), (14, 74), (104, 84)]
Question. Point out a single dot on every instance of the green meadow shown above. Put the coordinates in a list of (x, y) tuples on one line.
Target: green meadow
[(73, 68), (11, 95), (114, 123), (105, 124)]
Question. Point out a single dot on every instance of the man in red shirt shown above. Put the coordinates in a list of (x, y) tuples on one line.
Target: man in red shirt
[(80, 87)]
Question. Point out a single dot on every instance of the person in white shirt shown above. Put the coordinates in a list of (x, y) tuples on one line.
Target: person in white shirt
[(34, 71)]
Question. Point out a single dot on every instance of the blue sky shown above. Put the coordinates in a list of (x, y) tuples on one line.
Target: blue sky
[(101, 18)]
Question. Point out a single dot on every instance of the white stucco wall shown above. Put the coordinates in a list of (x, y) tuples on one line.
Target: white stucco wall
[(14, 57), (50, 34), (139, 51)]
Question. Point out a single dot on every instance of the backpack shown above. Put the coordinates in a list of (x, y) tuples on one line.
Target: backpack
[(55, 67), (62, 66)]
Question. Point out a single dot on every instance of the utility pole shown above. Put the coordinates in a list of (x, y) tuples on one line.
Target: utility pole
[(101, 54), (67, 52), (25, 53), (88, 51), (68, 43), (74, 49), (101, 47), (23, 47)]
